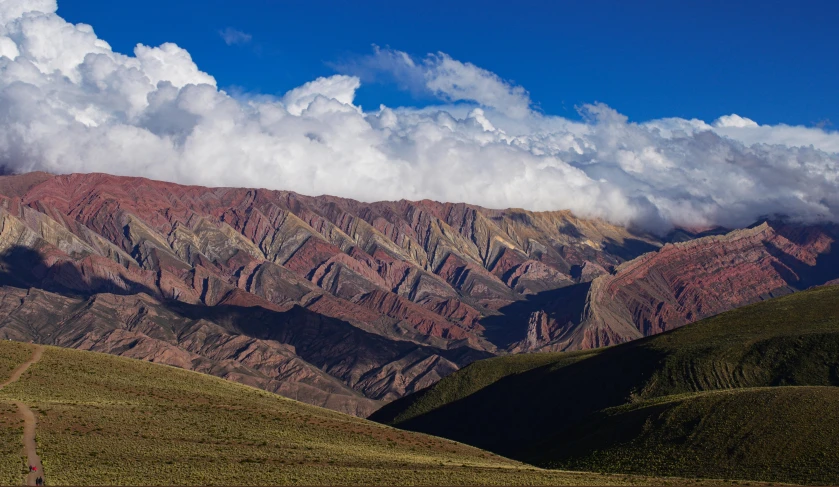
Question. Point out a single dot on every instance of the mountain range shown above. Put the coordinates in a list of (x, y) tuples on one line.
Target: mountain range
[(351, 305)]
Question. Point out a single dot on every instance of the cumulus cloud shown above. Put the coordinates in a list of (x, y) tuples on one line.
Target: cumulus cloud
[(339, 88), (443, 77), (68, 103), (233, 36)]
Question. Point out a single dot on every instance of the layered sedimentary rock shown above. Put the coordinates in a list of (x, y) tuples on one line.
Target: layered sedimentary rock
[(348, 304), (685, 282), (418, 276)]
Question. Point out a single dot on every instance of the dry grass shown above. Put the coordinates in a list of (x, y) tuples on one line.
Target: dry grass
[(110, 420), (11, 459), (13, 354)]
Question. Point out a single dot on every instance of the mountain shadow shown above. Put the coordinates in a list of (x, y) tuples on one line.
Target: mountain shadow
[(358, 359), (563, 306), (23, 267)]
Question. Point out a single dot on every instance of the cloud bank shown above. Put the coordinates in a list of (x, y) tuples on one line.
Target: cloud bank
[(68, 103)]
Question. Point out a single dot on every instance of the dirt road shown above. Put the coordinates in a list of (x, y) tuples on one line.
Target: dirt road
[(29, 421)]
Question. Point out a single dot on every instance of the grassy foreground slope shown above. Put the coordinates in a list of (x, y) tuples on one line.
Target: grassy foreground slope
[(12, 354), (105, 420), (545, 399), (11, 460)]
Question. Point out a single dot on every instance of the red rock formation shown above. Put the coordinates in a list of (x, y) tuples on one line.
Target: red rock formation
[(685, 282), (438, 284)]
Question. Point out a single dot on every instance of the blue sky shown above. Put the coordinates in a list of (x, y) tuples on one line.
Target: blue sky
[(774, 62), (646, 113)]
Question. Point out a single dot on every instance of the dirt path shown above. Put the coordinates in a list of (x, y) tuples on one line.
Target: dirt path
[(29, 447), (36, 356), (29, 421)]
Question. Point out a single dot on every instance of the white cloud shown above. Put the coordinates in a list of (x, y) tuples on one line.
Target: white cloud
[(340, 88), (734, 121), (444, 77), (233, 36), (68, 103)]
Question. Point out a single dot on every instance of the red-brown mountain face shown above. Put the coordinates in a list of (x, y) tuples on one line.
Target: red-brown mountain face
[(414, 279), (685, 282), (348, 305)]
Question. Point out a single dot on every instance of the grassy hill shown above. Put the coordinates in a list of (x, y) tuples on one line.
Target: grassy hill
[(552, 400), (783, 434), (105, 420)]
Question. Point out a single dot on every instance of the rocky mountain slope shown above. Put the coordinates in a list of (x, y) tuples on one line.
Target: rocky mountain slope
[(375, 300), (347, 304), (682, 283)]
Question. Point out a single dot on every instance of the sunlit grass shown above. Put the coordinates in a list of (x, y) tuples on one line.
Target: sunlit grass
[(14, 354), (11, 431), (110, 420)]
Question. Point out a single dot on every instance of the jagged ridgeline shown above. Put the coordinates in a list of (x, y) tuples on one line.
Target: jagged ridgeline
[(751, 394)]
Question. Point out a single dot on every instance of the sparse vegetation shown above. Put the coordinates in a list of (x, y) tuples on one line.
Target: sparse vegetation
[(109, 420), (14, 354), (11, 430)]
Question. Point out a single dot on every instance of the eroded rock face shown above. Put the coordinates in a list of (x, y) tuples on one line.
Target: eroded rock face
[(685, 282), (415, 279), (346, 304)]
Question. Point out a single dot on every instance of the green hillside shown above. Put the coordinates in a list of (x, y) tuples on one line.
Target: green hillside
[(785, 434), (105, 420), (547, 400)]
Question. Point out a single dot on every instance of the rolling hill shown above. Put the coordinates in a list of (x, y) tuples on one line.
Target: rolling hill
[(779, 434), (620, 408), (105, 420)]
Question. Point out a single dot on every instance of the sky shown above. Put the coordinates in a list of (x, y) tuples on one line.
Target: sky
[(653, 115), (774, 62)]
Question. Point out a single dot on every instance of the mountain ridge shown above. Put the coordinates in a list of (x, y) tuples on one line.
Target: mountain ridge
[(443, 283)]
